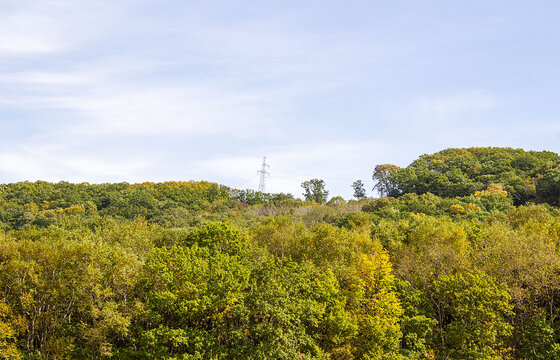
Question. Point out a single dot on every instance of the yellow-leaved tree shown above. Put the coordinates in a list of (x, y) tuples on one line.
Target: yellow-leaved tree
[(376, 307), (8, 333)]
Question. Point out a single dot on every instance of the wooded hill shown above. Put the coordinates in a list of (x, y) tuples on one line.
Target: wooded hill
[(461, 261), (526, 176)]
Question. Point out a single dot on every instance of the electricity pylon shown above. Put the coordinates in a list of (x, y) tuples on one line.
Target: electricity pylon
[(264, 173)]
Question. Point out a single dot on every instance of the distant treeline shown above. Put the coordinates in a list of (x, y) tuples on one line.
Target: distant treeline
[(172, 203)]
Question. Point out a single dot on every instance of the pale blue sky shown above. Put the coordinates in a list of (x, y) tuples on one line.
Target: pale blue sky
[(138, 90)]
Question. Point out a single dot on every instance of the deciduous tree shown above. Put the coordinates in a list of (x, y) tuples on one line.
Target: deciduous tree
[(359, 190), (314, 190), (381, 175)]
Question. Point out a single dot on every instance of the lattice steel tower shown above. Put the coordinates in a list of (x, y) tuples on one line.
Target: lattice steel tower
[(264, 173)]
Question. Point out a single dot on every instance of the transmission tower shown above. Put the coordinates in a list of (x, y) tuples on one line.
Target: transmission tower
[(264, 173)]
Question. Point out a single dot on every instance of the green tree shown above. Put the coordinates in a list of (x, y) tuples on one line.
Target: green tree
[(417, 322), (381, 175), (192, 296), (460, 172), (359, 190), (521, 251), (472, 310), (548, 188), (314, 190)]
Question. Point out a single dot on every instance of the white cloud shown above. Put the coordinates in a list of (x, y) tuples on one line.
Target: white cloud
[(49, 26), (157, 110), (47, 78), (55, 163), (104, 100), (262, 67), (29, 33)]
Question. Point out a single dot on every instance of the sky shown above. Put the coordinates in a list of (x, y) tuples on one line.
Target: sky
[(173, 90)]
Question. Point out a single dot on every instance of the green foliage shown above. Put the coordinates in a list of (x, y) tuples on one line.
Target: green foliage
[(429, 247), (359, 190), (366, 310), (285, 312), (219, 238), (461, 172), (382, 175), (195, 270), (314, 190), (322, 244), (355, 220), (72, 294), (537, 338), (472, 311), (189, 295), (417, 321), (548, 187)]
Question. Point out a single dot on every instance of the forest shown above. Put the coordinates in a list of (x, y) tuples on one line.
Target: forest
[(458, 259)]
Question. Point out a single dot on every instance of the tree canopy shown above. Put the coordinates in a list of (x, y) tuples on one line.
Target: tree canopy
[(524, 175), (197, 270)]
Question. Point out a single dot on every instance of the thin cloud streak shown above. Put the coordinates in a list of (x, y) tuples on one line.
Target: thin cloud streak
[(164, 110), (54, 164), (25, 33), (51, 27), (444, 108)]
